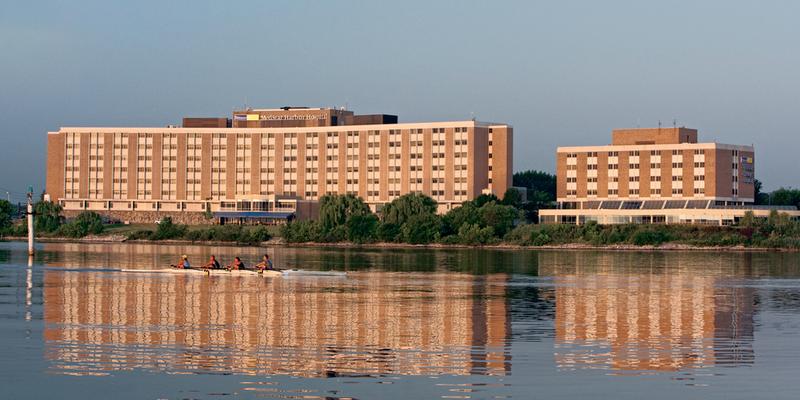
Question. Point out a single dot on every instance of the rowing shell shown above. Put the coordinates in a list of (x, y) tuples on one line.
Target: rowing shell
[(197, 271), (238, 272)]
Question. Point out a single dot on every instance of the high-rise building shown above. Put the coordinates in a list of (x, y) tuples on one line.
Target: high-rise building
[(271, 164), (654, 175)]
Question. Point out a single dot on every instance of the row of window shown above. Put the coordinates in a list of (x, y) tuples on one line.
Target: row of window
[(654, 191), (635, 153)]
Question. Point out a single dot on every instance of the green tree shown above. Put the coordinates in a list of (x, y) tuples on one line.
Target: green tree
[(467, 213), (537, 181), (785, 197), (334, 210), (760, 197), (473, 234), (499, 217), (87, 222), (483, 199), (401, 209), (362, 228), (47, 217), (421, 229), (512, 197), (388, 232), (6, 213)]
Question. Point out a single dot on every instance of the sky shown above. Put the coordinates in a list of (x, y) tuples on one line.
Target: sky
[(563, 73)]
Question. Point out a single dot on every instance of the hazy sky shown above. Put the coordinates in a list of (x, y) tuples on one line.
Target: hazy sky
[(561, 72)]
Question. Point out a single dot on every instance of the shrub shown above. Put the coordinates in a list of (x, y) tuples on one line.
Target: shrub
[(255, 235), (336, 234), (228, 233), (85, 223), (473, 234), (521, 234), (650, 237), (388, 232), (15, 230), (540, 239), (48, 217), (421, 229), (302, 231), (362, 228), (142, 234), (168, 230)]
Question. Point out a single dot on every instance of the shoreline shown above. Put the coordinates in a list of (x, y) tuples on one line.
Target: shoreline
[(108, 239)]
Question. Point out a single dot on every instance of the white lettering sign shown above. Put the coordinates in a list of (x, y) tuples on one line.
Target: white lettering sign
[(291, 117)]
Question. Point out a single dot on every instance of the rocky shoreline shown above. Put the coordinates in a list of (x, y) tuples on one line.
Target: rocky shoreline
[(383, 245)]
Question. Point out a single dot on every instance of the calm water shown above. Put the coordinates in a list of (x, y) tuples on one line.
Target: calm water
[(453, 324)]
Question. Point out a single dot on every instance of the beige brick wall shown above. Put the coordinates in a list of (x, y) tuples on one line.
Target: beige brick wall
[(477, 148), (502, 159), (54, 182)]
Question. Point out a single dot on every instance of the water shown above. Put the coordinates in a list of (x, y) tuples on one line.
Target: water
[(453, 324)]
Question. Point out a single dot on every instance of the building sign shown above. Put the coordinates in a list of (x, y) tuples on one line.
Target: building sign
[(278, 117), (748, 172)]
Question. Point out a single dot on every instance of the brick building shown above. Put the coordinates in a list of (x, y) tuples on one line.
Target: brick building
[(272, 164), (654, 175)]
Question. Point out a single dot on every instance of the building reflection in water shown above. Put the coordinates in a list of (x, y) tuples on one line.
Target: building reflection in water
[(650, 316), (369, 324)]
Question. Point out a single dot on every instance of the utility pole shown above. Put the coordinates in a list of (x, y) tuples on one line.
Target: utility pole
[(30, 220)]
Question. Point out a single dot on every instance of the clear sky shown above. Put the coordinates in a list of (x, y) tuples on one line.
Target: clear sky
[(561, 72)]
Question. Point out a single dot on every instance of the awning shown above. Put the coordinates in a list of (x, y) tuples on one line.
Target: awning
[(254, 214)]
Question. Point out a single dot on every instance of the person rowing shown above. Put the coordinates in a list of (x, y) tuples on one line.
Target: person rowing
[(183, 263), (265, 264), (212, 263), (237, 264)]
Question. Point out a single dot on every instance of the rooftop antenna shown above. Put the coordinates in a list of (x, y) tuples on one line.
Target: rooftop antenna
[(674, 123), (659, 125)]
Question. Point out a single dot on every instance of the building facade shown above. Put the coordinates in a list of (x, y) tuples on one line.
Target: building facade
[(214, 165), (654, 175)]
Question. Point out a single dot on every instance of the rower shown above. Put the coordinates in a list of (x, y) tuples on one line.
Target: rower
[(265, 263), (236, 265), (183, 263), (212, 263)]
